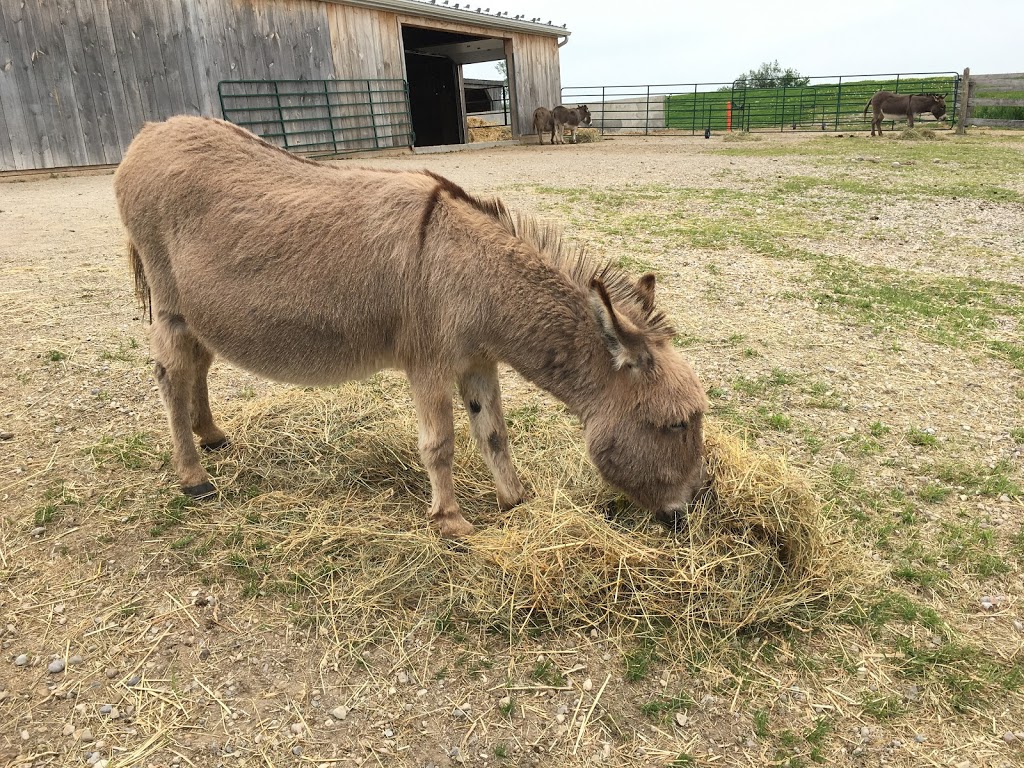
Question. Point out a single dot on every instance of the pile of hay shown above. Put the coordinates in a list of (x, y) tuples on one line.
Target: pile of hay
[(324, 497), (587, 135), (481, 130), (918, 134)]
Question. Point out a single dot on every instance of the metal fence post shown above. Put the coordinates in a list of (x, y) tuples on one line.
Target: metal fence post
[(280, 115), (373, 116), (647, 112), (330, 117), (839, 100)]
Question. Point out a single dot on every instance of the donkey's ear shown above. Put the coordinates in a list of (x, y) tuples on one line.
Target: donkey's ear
[(625, 343), (645, 290)]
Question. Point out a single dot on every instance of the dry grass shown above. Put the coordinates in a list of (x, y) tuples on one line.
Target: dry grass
[(740, 136), (329, 481)]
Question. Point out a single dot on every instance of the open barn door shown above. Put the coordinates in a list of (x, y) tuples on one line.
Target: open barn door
[(433, 66)]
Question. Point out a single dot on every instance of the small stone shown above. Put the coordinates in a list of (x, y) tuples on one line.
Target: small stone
[(588, 684), (1009, 737), (504, 703), (296, 750), (102, 763), (38, 531), (85, 736), (25, 735), (105, 709), (421, 693), (339, 713), (559, 718), (67, 730), (681, 719), (114, 713), (55, 667), (920, 738), (74, 660), (133, 680), (6, 435), (297, 729), (21, 661), (459, 714), (403, 678), (389, 733)]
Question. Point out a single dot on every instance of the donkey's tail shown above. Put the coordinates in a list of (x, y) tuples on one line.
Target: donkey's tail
[(141, 286), (866, 108)]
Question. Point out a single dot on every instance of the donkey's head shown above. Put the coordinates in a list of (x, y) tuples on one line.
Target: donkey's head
[(938, 109), (645, 435), (584, 112)]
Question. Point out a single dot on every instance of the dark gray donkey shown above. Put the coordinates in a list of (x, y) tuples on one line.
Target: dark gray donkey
[(564, 117), (893, 106)]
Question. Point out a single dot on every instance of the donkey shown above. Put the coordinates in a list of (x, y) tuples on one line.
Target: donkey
[(892, 106), (563, 117), (543, 122), (313, 274)]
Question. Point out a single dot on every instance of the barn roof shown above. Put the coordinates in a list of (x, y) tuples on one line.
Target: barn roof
[(460, 11)]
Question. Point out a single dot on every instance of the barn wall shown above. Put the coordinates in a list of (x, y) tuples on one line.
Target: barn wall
[(78, 78), (538, 80)]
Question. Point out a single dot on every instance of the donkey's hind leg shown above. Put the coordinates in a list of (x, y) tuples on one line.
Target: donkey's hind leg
[(211, 437), (481, 394), (177, 355)]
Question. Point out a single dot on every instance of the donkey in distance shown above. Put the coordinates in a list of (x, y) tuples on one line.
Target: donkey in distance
[(558, 119), (897, 106), (312, 274)]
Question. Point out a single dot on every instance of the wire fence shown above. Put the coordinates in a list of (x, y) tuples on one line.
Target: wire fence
[(834, 103)]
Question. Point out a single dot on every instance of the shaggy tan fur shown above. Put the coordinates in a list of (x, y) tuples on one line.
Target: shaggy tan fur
[(315, 274)]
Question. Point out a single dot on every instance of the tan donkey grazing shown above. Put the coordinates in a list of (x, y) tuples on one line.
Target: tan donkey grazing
[(313, 274)]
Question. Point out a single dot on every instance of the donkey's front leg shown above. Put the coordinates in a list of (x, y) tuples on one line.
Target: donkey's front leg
[(481, 394), (433, 401)]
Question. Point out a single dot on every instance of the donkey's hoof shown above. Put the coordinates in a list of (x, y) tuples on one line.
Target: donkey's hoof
[(201, 491), (452, 526), (216, 445)]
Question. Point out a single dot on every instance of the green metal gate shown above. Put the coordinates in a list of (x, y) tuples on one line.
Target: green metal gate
[(321, 118)]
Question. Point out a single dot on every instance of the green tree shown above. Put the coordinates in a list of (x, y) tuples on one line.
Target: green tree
[(771, 75)]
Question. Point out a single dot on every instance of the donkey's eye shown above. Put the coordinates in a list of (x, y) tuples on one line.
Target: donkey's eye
[(679, 426)]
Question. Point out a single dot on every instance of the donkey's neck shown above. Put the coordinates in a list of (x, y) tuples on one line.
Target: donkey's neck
[(546, 331)]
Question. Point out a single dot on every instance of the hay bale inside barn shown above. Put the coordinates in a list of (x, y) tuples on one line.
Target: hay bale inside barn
[(78, 80)]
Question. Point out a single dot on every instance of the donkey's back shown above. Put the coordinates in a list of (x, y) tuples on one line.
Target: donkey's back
[(245, 241)]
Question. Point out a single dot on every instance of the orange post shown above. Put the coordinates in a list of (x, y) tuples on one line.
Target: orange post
[(728, 116)]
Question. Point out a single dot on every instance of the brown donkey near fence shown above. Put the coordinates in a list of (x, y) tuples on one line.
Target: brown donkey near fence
[(313, 274)]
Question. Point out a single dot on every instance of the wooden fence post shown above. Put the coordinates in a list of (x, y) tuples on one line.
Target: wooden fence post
[(965, 97)]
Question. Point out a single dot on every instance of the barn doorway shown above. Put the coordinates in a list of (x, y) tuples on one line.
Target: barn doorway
[(433, 69)]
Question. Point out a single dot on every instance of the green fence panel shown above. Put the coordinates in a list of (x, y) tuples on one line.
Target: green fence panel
[(321, 118)]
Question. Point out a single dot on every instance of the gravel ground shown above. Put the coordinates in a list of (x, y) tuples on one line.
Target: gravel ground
[(114, 653)]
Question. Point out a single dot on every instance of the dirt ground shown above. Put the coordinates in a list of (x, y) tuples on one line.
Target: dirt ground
[(884, 405)]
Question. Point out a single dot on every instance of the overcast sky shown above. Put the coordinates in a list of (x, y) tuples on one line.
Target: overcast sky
[(685, 41)]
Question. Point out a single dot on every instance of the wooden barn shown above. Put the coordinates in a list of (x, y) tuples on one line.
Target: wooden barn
[(79, 77)]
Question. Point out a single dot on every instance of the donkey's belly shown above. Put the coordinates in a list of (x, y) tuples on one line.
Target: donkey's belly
[(299, 352)]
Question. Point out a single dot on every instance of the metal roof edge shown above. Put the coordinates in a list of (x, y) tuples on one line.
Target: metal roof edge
[(447, 13)]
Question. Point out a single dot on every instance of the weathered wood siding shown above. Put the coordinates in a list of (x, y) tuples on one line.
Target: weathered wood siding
[(78, 78), (538, 81)]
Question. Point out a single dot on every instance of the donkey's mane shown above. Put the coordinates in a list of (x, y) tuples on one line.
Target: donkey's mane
[(573, 260)]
